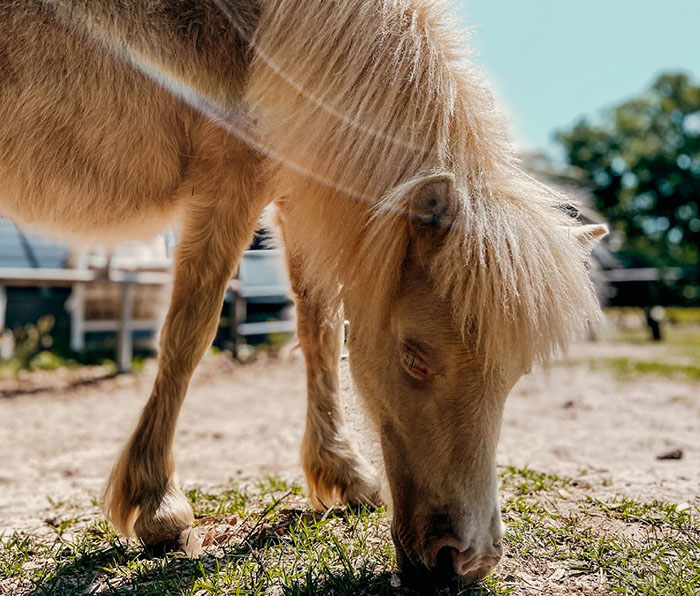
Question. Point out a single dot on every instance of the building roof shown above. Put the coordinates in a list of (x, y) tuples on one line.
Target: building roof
[(29, 249)]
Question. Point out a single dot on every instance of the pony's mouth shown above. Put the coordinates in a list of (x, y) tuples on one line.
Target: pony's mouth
[(406, 557)]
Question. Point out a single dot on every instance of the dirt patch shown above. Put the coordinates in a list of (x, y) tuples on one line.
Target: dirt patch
[(606, 431), (59, 437)]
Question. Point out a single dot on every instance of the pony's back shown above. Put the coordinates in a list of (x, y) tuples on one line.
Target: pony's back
[(96, 105)]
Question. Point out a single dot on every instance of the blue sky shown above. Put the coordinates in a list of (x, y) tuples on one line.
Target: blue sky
[(550, 61)]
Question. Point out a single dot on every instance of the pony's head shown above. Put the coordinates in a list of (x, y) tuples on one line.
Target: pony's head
[(474, 300)]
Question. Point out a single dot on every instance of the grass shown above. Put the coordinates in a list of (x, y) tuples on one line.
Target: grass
[(264, 540), (628, 367), (678, 341), (677, 356), (680, 332), (675, 314)]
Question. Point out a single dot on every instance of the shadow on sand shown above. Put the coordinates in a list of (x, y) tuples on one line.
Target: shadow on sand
[(22, 391)]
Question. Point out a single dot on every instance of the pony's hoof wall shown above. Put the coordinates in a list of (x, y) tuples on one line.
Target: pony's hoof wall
[(170, 524)]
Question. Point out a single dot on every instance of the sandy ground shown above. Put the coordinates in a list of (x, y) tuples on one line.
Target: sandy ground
[(241, 422)]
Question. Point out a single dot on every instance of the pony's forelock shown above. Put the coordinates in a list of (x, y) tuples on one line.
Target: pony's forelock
[(509, 266)]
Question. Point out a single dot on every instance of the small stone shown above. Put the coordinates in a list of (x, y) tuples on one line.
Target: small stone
[(682, 507), (557, 575), (191, 543), (673, 454)]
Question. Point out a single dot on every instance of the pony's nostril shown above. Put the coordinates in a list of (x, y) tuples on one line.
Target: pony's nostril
[(462, 561), (475, 564), (443, 560)]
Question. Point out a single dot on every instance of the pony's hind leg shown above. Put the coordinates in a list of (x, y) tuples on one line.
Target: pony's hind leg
[(142, 497), (335, 471)]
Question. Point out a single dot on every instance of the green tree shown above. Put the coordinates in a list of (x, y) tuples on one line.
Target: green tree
[(641, 159)]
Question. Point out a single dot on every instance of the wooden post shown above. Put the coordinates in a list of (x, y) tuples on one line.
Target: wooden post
[(653, 323), (125, 340), (3, 307), (240, 311), (77, 318)]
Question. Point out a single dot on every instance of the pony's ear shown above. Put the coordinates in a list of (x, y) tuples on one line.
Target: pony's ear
[(432, 200), (588, 236)]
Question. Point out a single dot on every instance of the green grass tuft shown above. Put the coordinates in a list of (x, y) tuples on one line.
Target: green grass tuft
[(266, 541), (627, 367)]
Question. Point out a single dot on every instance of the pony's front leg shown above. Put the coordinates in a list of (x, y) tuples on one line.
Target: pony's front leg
[(142, 497), (335, 470)]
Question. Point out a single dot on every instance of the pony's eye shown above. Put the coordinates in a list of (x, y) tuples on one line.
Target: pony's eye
[(414, 364)]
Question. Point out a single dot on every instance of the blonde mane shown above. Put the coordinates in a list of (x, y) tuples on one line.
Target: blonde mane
[(370, 94)]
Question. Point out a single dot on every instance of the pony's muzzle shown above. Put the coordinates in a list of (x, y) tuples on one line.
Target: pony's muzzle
[(444, 555)]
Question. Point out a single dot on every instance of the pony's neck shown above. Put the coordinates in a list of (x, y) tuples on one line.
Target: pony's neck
[(339, 240)]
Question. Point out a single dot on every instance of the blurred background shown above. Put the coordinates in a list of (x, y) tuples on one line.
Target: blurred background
[(603, 100)]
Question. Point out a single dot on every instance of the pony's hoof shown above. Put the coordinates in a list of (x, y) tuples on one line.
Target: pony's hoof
[(170, 523), (364, 492), (188, 542), (357, 484)]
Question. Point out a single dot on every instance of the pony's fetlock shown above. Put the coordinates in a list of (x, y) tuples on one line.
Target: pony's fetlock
[(153, 516)]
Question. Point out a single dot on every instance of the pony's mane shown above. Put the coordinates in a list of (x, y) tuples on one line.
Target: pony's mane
[(359, 98)]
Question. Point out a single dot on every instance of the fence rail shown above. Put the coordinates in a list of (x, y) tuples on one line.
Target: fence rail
[(77, 279), (261, 276)]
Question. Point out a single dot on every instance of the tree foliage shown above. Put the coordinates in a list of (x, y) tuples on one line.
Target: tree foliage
[(641, 159)]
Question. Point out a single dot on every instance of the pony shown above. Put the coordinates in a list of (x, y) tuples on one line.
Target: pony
[(399, 201)]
